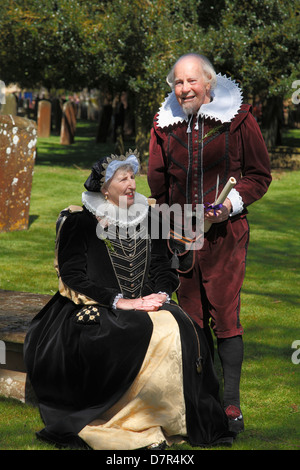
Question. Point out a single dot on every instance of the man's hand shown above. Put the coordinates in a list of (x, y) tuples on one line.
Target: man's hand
[(219, 215)]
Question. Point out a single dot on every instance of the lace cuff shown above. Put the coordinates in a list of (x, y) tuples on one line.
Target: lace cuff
[(236, 202), (168, 297), (118, 297)]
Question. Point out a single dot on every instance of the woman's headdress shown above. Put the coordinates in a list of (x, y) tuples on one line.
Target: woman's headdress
[(104, 169)]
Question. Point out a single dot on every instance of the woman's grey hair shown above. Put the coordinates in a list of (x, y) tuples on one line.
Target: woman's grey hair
[(122, 169), (208, 70)]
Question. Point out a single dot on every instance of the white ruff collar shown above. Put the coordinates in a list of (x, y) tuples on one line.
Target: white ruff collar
[(227, 100), (103, 209)]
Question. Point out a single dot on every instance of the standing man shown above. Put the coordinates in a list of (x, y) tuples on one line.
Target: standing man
[(202, 135)]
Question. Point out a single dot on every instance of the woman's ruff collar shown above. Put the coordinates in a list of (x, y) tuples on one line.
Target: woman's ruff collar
[(112, 214)]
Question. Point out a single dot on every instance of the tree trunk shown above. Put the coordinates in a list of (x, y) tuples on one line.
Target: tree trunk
[(145, 109), (142, 138), (272, 121)]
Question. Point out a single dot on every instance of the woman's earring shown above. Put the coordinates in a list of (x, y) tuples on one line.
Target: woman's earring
[(106, 197)]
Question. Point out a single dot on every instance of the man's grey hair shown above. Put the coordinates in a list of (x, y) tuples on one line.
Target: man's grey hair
[(208, 70)]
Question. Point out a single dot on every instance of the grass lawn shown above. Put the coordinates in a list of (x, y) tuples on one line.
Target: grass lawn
[(270, 297)]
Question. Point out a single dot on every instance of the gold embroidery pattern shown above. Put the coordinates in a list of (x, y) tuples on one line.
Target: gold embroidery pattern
[(88, 315)]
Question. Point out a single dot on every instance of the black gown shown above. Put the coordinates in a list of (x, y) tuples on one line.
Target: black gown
[(81, 363)]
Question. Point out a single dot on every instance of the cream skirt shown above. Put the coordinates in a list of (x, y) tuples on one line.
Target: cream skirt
[(153, 409)]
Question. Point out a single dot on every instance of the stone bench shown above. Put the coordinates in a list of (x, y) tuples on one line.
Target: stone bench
[(16, 311)]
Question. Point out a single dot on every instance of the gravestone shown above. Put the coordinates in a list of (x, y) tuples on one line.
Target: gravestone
[(18, 138), (44, 118), (17, 309), (68, 123), (56, 115), (10, 106)]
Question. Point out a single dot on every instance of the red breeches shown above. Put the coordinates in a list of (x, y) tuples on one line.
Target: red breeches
[(210, 293)]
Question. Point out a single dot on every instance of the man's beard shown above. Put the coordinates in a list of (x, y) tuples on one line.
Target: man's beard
[(190, 108)]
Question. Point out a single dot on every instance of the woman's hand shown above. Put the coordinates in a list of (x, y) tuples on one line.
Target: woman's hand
[(149, 303), (220, 215)]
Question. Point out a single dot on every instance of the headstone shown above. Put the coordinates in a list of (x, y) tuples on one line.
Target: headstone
[(56, 115), (18, 137), (10, 106), (68, 123), (44, 118)]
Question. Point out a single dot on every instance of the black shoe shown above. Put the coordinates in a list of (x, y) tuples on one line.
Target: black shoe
[(157, 446), (235, 419)]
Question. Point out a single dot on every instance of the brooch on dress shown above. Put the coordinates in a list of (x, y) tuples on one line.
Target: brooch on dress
[(88, 315)]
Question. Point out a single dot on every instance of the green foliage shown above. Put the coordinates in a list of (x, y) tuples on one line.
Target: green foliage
[(71, 44), (117, 45), (258, 45), (41, 43)]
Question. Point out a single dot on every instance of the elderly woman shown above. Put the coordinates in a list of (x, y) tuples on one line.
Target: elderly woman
[(113, 362)]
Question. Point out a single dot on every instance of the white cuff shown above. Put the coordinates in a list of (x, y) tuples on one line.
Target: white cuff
[(118, 297), (168, 297), (236, 202)]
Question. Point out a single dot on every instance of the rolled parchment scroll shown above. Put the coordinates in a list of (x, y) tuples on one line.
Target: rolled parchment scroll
[(221, 198)]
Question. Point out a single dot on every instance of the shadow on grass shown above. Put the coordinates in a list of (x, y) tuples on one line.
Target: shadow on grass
[(274, 250), (259, 350), (32, 219), (82, 153), (276, 297)]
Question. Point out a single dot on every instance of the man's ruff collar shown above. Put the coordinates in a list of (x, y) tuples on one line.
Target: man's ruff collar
[(227, 100), (112, 214)]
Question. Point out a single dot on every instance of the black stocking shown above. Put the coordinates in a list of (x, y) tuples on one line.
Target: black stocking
[(231, 352)]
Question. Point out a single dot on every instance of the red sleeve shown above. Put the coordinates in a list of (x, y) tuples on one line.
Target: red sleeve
[(256, 171), (157, 169)]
